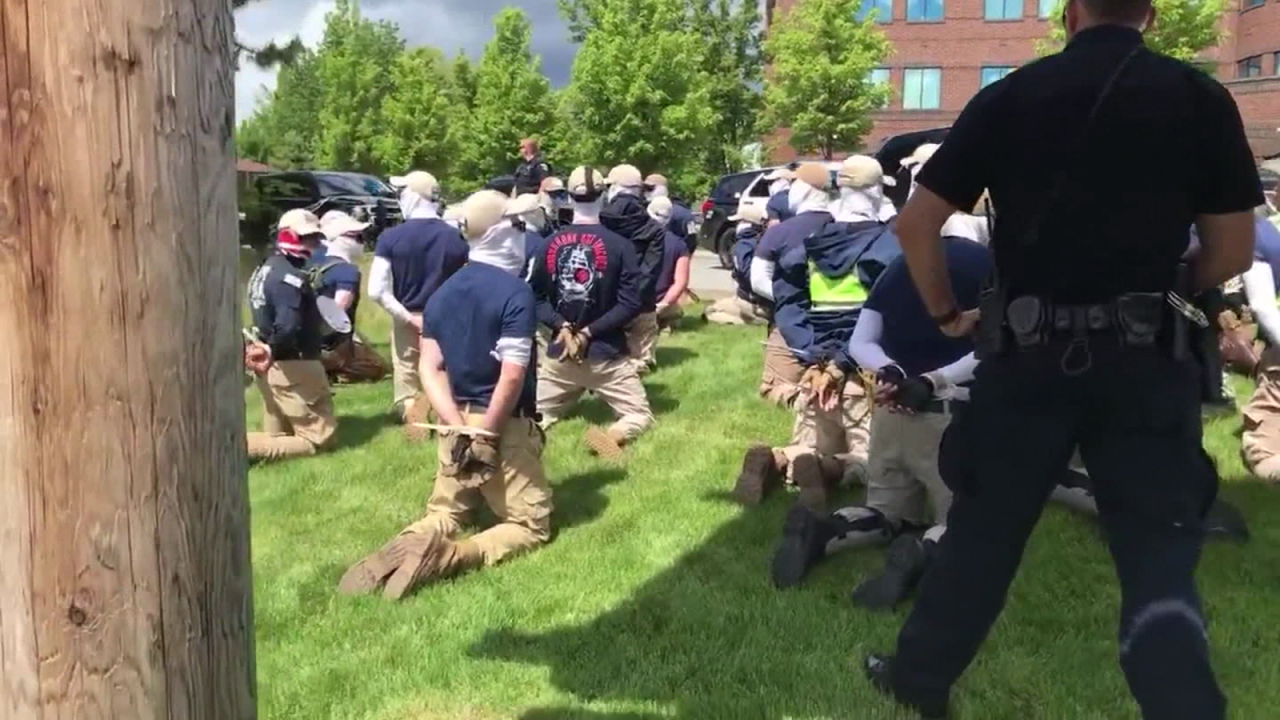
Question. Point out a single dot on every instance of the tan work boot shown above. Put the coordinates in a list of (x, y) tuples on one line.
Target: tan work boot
[(816, 476), (428, 558), (607, 444), (761, 474), (366, 575)]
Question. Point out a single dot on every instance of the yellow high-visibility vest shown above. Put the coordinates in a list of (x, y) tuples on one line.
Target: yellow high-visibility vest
[(835, 295)]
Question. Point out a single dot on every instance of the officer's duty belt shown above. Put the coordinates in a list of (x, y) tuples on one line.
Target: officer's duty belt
[(1136, 318)]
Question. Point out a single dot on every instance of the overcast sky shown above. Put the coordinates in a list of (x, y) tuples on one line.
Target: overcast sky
[(450, 25)]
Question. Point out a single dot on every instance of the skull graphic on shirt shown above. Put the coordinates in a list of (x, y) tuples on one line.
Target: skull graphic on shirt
[(575, 273)]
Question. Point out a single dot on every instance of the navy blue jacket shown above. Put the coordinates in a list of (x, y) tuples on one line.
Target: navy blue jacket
[(284, 308), (744, 251), (628, 216), (681, 217), (779, 206), (840, 249)]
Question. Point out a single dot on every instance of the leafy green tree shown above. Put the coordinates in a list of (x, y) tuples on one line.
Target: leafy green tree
[(417, 114), (1184, 29), (638, 91), (731, 61), (352, 64), (462, 77), (821, 57), (511, 101)]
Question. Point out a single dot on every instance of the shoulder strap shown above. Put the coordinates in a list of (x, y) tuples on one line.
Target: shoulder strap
[(316, 274), (1082, 141)]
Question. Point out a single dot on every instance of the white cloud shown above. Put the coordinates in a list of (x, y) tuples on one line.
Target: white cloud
[(450, 25)]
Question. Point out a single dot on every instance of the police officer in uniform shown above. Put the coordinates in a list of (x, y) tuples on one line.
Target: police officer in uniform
[(297, 414), (1081, 344), (532, 170)]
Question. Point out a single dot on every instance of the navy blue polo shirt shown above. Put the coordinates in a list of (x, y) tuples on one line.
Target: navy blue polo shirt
[(779, 206), (681, 218), (341, 276), (471, 311), (911, 337), (673, 248), (423, 254), (790, 234)]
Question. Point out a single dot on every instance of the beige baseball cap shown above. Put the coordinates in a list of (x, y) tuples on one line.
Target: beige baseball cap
[(660, 206), (578, 181), (551, 184), (921, 155), (300, 222), (815, 175), (655, 179), (859, 172), (624, 175), (753, 214), (337, 223), (420, 182), (480, 212), (521, 204)]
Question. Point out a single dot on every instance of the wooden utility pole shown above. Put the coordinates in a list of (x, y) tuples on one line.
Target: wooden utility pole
[(125, 588)]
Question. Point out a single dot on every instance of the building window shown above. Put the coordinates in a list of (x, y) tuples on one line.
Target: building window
[(1275, 63), (1047, 7), (879, 76), (1250, 4), (924, 10), (1249, 67), (883, 10), (994, 73), (1004, 9), (922, 89)]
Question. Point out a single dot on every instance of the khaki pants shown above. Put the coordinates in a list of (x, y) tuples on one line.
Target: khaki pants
[(842, 433), (903, 481), (735, 311), (353, 361), (405, 361), (297, 416), (1260, 441), (517, 494), (779, 383), (642, 340), (560, 384)]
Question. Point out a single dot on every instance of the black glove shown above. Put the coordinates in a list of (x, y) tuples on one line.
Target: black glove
[(891, 375), (914, 393)]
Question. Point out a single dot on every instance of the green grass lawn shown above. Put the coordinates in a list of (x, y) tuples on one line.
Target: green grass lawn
[(653, 601)]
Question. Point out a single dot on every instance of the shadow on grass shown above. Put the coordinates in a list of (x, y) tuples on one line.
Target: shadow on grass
[(668, 357), (579, 498), (571, 714), (356, 430), (677, 642)]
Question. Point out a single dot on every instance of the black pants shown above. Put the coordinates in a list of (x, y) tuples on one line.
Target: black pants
[(1135, 414)]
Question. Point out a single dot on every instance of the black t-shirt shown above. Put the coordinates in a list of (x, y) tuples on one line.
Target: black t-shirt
[(587, 276), (1168, 145)]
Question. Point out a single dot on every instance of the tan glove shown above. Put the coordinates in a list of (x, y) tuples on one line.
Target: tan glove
[(569, 341), (471, 460)]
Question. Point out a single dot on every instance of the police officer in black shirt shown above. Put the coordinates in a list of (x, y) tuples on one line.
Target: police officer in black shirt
[(1081, 343), (532, 170)]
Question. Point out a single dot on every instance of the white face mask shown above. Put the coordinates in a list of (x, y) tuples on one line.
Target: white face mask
[(346, 247)]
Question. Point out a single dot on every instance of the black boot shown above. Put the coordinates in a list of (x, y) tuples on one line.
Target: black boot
[(803, 545), (904, 565), (760, 476), (879, 670)]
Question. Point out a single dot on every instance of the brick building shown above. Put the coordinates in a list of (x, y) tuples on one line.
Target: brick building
[(944, 51)]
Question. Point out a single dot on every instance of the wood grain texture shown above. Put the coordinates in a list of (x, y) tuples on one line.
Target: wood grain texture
[(125, 588)]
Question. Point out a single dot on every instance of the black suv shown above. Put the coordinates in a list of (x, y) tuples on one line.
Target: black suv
[(716, 233), (264, 199)]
